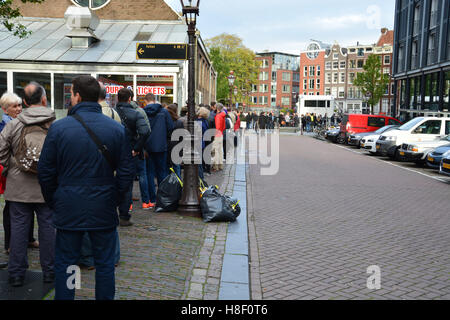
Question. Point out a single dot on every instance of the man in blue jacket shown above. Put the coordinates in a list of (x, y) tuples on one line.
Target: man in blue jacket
[(84, 186), (157, 144)]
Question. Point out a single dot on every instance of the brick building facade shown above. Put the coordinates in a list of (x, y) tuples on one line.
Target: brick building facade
[(312, 64), (278, 81)]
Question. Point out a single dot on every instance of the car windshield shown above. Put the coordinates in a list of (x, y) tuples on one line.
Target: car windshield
[(410, 124)]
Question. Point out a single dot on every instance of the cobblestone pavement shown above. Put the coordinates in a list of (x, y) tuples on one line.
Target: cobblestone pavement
[(329, 214), (182, 259)]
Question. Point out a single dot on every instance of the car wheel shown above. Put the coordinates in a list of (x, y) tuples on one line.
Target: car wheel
[(396, 155)]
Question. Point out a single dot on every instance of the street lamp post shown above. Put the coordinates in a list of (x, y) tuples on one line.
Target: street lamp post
[(231, 78), (190, 200)]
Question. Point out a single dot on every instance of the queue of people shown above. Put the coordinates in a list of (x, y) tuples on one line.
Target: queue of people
[(76, 174)]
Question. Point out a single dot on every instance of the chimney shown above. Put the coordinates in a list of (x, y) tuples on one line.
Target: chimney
[(82, 22), (384, 30)]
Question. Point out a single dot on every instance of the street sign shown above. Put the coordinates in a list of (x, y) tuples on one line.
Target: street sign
[(161, 51)]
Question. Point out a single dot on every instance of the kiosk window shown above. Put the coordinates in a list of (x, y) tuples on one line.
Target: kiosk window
[(3, 84), (22, 79)]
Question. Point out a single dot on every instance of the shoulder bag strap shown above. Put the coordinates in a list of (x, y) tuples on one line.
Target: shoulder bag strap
[(101, 147)]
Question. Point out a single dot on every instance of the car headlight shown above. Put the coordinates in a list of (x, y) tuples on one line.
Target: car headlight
[(391, 138), (413, 148)]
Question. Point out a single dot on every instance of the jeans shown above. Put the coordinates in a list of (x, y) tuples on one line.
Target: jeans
[(141, 171), (7, 226), (67, 253), (156, 167), (21, 216), (87, 257)]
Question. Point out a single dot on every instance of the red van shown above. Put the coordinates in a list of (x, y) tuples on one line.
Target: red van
[(357, 123)]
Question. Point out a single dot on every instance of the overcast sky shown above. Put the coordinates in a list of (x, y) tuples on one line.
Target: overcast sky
[(288, 25)]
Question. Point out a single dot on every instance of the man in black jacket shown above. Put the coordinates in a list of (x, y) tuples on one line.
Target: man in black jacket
[(138, 132)]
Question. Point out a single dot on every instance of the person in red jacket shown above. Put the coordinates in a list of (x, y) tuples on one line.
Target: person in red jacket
[(237, 127), (217, 161)]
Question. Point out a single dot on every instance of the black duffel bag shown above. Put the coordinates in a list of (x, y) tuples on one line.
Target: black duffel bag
[(169, 193), (218, 208)]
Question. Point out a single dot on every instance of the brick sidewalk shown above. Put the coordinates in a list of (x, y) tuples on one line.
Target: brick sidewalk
[(182, 259)]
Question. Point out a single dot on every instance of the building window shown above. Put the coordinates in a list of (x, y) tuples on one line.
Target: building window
[(274, 90), (3, 84), (335, 65), (335, 77), (433, 13), (351, 77), (328, 78), (312, 71), (360, 52), (387, 59), (342, 65), (416, 20), (335, 56), (263, 88), (305, 71), (360, 64), (341, 92), (334, 92), (264, 76), (274, 76), (351, 93), (327, 91), (264, 63), (386, 70), (318, 71), (447, 91), (342, 78), (414, 55), (92, 4), (285, 101), (255, 100), (286, 76), (318, 84), (352, 64), (311, 84), (305, 84), (263, 100), (431, 48), (328, 65), (286, 88), (254, 88)]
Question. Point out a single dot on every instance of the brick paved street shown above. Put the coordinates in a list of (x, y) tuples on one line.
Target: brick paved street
[(330, 213), (182, 259)]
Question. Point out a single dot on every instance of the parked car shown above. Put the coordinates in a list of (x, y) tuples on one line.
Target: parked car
[(416, 130), (358, 123), (445, 164), (333, 134), (434, 158), (418, 151), (369, 142)]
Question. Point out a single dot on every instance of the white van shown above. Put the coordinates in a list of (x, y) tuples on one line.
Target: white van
[(416, 130)]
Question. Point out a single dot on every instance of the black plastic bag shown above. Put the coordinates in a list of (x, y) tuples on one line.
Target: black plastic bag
[(169, 193), (218, 208)]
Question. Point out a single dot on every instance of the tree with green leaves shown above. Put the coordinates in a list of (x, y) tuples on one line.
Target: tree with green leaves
[(372, 82), (228, 53), (8, 14)]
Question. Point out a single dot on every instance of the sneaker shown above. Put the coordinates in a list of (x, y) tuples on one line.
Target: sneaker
[(147, 206)]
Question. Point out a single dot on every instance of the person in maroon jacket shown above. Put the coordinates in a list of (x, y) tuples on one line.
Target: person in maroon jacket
[(217, 161)]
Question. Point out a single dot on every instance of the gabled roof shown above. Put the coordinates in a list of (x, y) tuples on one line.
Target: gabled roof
[(386, 38)]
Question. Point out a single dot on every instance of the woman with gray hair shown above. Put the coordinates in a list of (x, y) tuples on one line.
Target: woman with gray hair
[(11, 105)]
